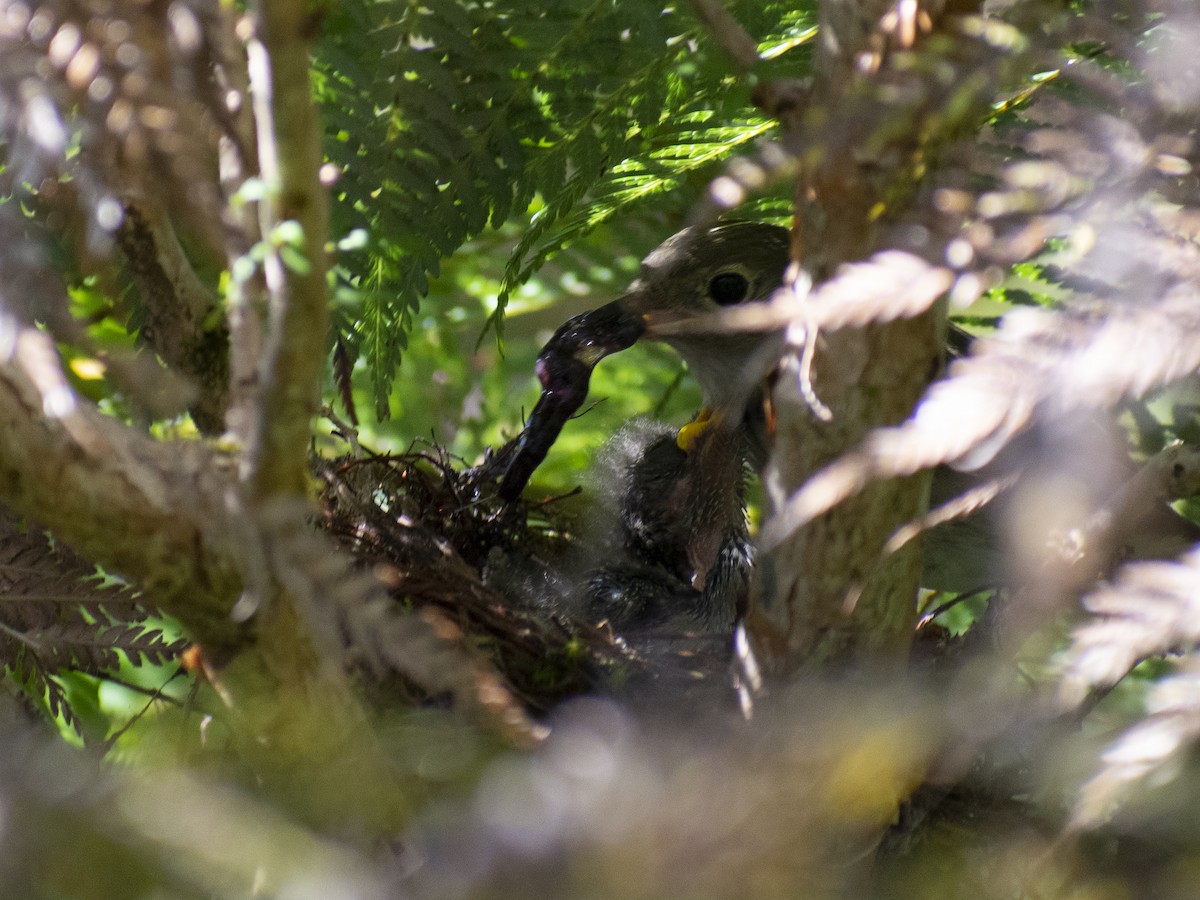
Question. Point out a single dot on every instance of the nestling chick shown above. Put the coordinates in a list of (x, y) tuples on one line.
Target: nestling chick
[(668, 547), (669, 544)]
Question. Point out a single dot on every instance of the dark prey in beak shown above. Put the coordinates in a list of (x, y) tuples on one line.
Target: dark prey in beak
[(564, 368)]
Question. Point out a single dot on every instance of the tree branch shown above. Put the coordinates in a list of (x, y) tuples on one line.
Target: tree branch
[(727, 32), (151, 510), (294, 221), (181, 326)]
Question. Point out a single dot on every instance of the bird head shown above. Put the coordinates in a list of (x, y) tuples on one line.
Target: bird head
[(694, 273), (698, 272)]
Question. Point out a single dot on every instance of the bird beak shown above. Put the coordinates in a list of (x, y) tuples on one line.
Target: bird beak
[(593, 335), (661, 323)]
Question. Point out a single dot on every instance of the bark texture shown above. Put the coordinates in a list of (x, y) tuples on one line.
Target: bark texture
[(864, 132), (151, 510)]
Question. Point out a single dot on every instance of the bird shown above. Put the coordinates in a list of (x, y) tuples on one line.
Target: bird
[(695, 271), (670, 548)]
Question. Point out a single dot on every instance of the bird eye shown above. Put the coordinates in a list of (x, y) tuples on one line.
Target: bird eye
[(728, 288)]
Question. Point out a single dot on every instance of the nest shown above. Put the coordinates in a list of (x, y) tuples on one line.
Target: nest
[(437, 533)]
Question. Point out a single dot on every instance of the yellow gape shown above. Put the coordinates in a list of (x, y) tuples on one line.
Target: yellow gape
[(690, 433)]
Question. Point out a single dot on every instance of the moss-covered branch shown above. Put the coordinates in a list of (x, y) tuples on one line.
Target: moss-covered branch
[(154, 511), (293, 219)]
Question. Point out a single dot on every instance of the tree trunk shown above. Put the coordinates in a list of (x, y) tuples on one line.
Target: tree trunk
[(825, 591)]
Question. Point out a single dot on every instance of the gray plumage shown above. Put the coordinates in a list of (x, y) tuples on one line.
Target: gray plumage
[(679, 555), (668, 540)]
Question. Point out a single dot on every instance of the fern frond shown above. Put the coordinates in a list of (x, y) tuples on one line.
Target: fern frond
[(1151, 750), (1152, 609), (448, 118), (57, 614), (689, 144)]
